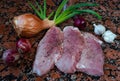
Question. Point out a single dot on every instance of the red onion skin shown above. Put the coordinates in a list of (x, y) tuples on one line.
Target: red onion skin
[(23, 45), (10, 56), (79, 22)]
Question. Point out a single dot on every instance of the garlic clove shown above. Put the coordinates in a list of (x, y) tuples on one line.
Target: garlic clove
[(109, 36), (99, 29)]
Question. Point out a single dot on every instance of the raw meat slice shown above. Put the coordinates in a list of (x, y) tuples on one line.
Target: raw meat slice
[(72, 48), (49, 49), (69, 50), (91, 36), (92, 60)]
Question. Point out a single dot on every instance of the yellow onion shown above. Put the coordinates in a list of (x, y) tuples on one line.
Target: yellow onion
[(28, 25)]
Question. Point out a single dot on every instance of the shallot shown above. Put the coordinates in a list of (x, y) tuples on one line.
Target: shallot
[(23, 45), (79, 22), (10, 56), (28, 25)]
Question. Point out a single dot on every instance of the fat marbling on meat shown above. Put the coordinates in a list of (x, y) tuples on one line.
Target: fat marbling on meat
[(49, 49), (72, 48)]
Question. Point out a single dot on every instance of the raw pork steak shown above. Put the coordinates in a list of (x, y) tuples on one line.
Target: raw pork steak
[(69, 50), (73, 44), (92, 60), (49, 49)]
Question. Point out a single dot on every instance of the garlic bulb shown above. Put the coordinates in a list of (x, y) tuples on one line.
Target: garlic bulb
[(99, 29), (109, 37)]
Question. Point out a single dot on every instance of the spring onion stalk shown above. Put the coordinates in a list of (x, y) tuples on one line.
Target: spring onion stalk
[(60, 16), (36, 24)]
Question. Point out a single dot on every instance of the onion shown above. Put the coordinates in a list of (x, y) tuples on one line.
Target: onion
[(28, 25), (79, 22), (10, 56), (23, 45)]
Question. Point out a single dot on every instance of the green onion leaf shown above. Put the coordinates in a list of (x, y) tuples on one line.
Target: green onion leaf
[(66, 17), (37, 12), (77, 12), (91, 12), (40, 8), (78, 5), (72, 9), (42, 12), (51, 14), (65, 13), (44, 8), (60, 8)]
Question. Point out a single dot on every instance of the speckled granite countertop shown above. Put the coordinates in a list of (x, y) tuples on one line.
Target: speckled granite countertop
[(109, 9)]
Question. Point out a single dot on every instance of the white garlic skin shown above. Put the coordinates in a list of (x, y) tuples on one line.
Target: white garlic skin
[(99, 29), (109, 36)]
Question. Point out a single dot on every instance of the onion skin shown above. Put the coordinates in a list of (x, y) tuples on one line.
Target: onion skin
[(28, 25)]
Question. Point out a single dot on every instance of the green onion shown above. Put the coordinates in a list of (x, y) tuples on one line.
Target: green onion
[(62, 19), (72, 10), (91, 12), (40, 8), (37, 12), (50, 15), (42, 12), (34, 25), (60, 15), (74, 7), (44, 8), (60, 8)]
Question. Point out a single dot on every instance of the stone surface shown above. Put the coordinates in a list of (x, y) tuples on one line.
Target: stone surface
[(110, 12)]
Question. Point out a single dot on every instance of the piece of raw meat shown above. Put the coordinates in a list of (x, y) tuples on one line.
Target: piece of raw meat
[(69, 50), (73, 44), (49, 49), (91, 36), (92, 60)]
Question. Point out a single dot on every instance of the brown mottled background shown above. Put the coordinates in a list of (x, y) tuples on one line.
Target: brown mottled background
[(108, 9)]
